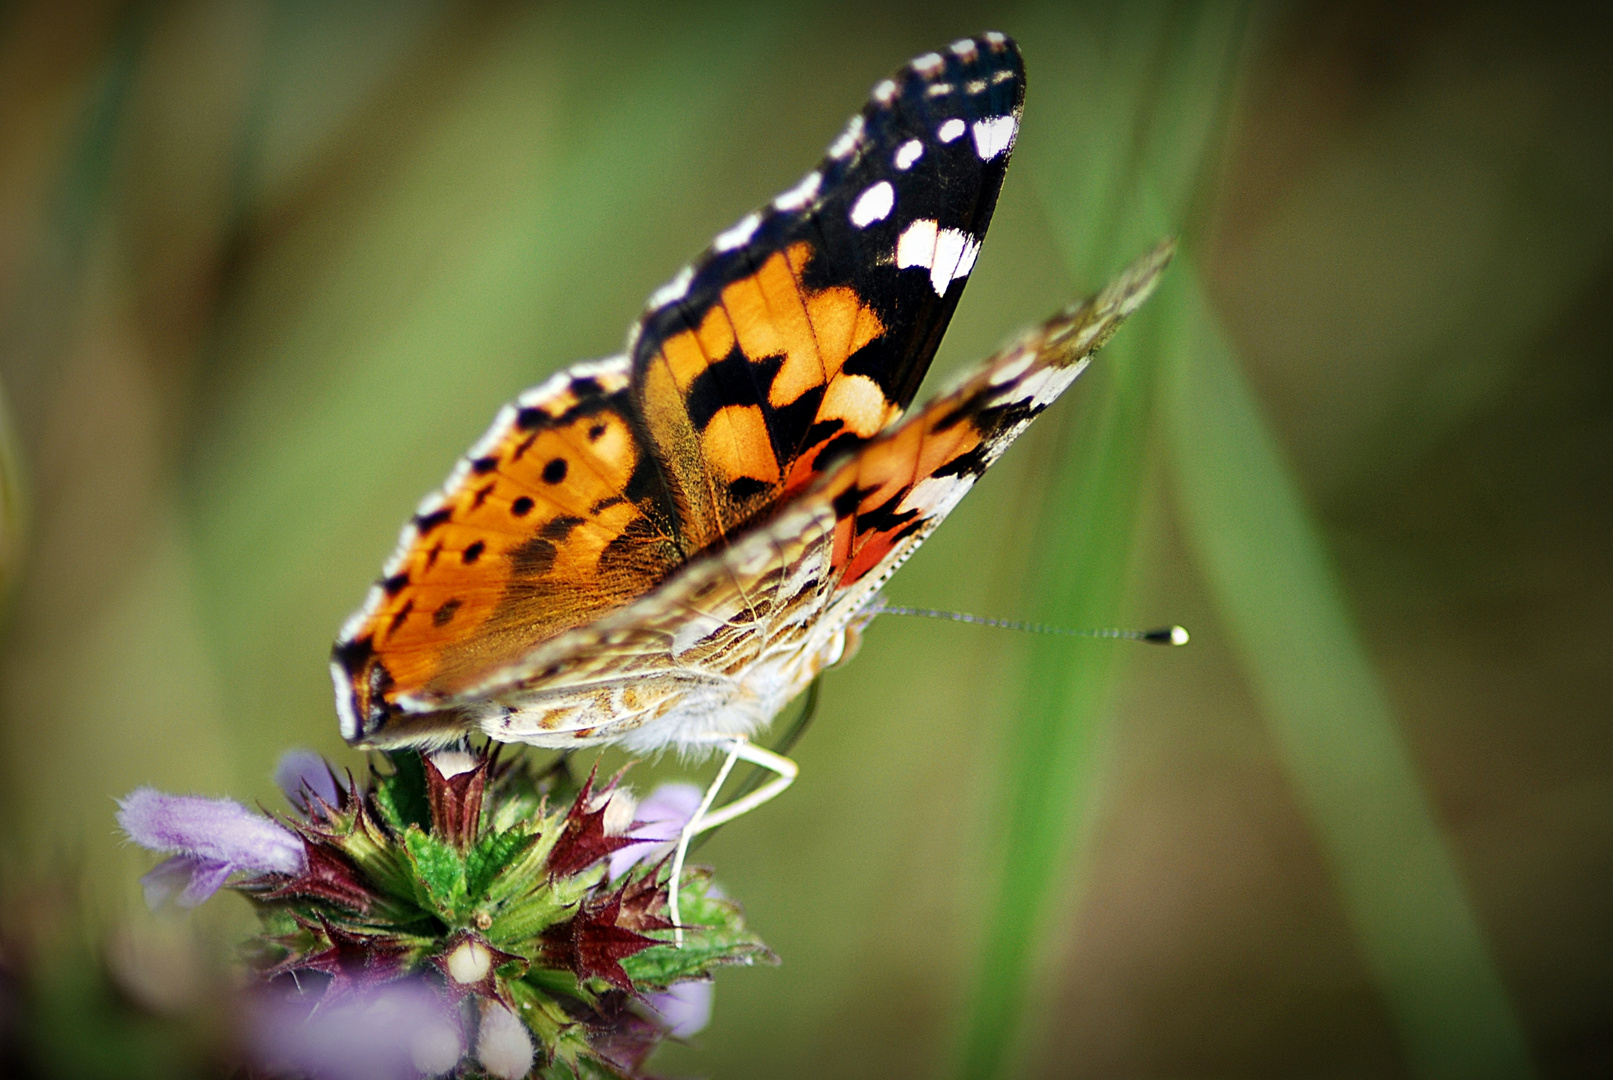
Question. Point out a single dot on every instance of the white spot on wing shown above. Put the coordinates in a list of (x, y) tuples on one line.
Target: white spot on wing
[(847, 142), (994, 135), (995, 38), (801, 194), (935, 496), (975, 86), (1001, 77), (873, 205), (951, 245), (907, 153), (940, 89), (950, 130), (928, 64), (673, 290), (885, 92), (739, 234), (966, 261), (916, 247), (490, 438), (948, 254), (964, 48)]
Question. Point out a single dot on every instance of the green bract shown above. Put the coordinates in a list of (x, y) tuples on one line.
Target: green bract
[(493, 882)]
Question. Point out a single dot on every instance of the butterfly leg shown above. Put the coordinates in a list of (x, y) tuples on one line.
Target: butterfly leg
[(704, 818)]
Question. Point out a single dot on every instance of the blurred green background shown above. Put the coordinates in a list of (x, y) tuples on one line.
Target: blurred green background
[(267, 268)]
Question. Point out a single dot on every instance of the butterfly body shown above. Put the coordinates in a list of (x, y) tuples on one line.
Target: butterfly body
[(662, 549)]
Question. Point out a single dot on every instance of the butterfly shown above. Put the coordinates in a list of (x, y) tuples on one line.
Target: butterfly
[(662, 549)]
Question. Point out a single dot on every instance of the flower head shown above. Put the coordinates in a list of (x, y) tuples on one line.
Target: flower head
[(455, 906)]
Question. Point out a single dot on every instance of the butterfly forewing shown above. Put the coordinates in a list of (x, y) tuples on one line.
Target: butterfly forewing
[(554, 517), (805, 330)]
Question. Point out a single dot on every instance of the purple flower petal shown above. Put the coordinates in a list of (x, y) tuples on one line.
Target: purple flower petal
[(302, 771), (389, 1032), (167, 880), (685, 1006), (214, 838), (660, 817)]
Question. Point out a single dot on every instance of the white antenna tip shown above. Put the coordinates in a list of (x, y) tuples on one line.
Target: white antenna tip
[(1179, 635)]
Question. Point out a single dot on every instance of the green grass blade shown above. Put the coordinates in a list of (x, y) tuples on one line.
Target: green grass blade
[(1280, 600), (1138, 95)]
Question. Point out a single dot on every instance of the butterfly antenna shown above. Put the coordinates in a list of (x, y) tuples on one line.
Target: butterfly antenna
[(1164, 635)]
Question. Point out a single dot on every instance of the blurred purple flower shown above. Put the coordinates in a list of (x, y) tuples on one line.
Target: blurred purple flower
[(301, 772), (660, 817), (685, 1007), (397, 1030), (213, 838)]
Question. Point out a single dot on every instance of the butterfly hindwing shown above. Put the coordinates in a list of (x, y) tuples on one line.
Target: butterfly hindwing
[(892, 494), (806, 329), (555, 516)]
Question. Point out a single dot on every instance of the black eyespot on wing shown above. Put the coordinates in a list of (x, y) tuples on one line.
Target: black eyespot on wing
[(472, 553), (425, 523), (555, 471), (746, 487), (522, 506), (443, 614), (399, 617), (533, 558)]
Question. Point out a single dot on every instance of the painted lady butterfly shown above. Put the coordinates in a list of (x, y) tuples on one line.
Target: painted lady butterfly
[(664, 548)]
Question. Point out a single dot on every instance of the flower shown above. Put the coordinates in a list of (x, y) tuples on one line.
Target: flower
[(213, 837), (396, 1030), (659, 818), (301, 773), (684, 1007)]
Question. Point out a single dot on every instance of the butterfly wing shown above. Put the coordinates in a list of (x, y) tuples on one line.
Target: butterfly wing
[(888, 498), (787, 588), (556, 515), (798, 336), (806, 329)]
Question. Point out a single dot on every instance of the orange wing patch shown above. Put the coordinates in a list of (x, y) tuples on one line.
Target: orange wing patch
[(712, 394), (549, 522)]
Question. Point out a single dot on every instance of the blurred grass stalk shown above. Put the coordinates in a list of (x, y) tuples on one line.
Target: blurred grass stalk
[(1146, 90), (13, 504)]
